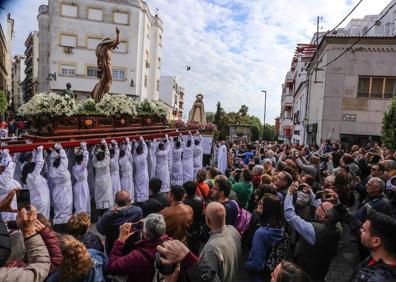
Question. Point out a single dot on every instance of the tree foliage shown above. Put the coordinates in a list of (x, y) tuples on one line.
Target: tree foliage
[(223, 119), (389, 126), (3, 102)]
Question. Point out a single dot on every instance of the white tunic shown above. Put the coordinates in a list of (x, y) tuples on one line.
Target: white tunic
[(222, 158), (103, 188), (162, 169), (61, 190), (115, 170), (169, 150), (7, 183), (126, 172), (198, 156), (82, 198), (141, 177), (176, 177), (188, 166), (38, 186)]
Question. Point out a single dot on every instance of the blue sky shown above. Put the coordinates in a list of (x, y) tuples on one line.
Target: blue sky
[(235, 48)]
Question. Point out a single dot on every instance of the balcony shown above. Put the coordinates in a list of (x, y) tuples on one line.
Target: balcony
[(28, 50)]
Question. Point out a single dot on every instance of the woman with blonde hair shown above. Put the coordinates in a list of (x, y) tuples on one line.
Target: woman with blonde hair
[(79, 263)]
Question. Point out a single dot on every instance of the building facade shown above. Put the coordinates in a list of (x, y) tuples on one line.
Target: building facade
[(172, 96), (302, 57), (341, 92), (30, 83), (6, 35), (18, 78), (69, 32), (286, 115), (349, 97)]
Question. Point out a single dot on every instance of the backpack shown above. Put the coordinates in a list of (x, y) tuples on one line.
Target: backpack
[(243, 219), (279, 251)]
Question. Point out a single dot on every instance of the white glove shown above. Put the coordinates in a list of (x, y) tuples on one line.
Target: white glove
[(83, 144), (40, 148), (6, 152), (58, 146), (113, 142)]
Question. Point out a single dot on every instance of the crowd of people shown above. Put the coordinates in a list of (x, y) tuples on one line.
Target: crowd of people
[(149, 211)]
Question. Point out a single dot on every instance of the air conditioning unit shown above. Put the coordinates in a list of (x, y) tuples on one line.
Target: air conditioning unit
[(68, 50), (147, 65)]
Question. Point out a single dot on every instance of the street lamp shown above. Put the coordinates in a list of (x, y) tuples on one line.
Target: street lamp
[(265, 110)]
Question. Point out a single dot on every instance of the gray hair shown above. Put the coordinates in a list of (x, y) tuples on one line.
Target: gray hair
[(258, 168), (154, 226), (379, 182)]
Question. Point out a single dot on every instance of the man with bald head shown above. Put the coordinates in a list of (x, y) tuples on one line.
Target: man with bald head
[(122, 212), (375, 199), (223, 249), (318, 240)]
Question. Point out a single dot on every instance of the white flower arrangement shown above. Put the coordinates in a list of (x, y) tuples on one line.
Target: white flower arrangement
[(53, 104), (87, 107), (111, 105), (50, 104), (148, 107)]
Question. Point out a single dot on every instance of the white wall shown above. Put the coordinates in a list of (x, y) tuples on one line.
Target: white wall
[(133, 62)]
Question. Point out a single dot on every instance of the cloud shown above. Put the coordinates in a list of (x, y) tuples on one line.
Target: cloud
[(235, 48)]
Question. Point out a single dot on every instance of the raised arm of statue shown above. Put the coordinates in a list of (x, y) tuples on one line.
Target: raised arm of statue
[(117, 41)]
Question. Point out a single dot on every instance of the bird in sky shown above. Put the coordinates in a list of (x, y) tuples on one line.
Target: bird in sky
[(188, 68)]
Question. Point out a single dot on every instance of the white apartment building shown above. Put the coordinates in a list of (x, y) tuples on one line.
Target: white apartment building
[(302, 57), (286, 115), (70, 30), (18, 76), (30, 83), (6, 35), (172, 96)]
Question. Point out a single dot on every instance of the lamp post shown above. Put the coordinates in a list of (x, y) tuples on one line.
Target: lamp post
[(265, 110)]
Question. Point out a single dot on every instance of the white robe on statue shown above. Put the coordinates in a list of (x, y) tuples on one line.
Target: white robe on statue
[(115, 170), (141, 177), (7, 183), (61, 190), (38, 186), (188, 165), (222, 158), (126, 171), (103, 187), (81, 194), (198, 156), (176, 177), (161, 168)]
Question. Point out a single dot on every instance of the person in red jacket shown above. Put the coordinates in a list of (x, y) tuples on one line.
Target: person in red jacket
[(138, 264)]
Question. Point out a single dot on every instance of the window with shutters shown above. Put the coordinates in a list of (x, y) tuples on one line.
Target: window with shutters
[(121, 17), (95, 14), (376, 87), (118, 74), (67, 40), (92, 72), (69, 10), (68, 70), (92, 42), (122, 47)]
